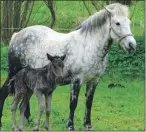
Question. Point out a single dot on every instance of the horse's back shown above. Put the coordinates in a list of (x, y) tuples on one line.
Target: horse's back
[(30, 45), (37, 31)]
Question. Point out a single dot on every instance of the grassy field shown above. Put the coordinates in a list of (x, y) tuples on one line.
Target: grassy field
[(113, 109)]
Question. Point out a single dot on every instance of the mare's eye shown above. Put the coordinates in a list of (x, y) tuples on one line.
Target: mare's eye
[(117, 23)]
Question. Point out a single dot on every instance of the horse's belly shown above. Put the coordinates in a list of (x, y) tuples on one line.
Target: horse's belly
[(96, 71), (86, 70)]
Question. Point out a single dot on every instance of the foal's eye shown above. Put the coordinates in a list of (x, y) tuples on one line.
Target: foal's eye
[(117, 23), (60, 65)]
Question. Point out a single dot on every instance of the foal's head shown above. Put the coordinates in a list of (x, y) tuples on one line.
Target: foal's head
[(57, 66)]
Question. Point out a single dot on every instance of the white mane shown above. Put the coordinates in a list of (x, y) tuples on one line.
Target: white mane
[(98, 19)]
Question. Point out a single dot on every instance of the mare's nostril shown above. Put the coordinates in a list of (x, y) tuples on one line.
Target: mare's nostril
[(131, 46)]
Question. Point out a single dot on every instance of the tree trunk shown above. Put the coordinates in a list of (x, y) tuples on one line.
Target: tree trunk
[(86, 8), (94, 3), (25, 23), (125, 2), (17, 14), (13, 19), (50, 5), (5, 22)]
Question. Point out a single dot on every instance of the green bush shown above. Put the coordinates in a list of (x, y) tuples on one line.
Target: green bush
[(4, 59), (126, 64)]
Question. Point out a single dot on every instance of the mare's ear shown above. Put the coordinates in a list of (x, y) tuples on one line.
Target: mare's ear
[(63, 57), (109, 11), (50, 57)]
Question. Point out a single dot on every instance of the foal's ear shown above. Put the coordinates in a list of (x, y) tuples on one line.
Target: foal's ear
[(50, 57), (63, 57)]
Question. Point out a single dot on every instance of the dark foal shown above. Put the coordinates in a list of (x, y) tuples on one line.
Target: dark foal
[(41, 81)]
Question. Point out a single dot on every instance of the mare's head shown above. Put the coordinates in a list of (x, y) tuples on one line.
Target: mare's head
[(57, 66), (120, 26)]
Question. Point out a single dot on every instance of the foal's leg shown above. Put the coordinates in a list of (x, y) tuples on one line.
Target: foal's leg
[(73, 102), (27, 112), (15, 102), (41, 109), (22, 108), (48, 109), (90, 89)]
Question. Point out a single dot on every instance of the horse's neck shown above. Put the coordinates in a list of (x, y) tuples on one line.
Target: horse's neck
[(50, 74), (100, 41)]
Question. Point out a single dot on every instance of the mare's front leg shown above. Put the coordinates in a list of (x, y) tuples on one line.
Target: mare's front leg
[(73, 102), (90, 90), (48, 99), (41, 109)]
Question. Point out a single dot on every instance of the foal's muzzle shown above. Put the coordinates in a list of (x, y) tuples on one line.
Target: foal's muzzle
[(59, 79)]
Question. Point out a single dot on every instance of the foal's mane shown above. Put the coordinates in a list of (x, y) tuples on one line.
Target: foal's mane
[(97, 20)]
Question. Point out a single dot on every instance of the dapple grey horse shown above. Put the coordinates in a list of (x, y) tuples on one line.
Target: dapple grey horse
[(86, 50)]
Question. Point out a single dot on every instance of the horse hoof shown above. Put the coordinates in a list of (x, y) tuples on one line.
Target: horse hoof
[(71, 128), (29, 120), (89, 128), (15, 129), (47, 128), (21, 129), (35, 129)]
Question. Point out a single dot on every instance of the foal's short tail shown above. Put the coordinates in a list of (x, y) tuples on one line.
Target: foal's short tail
[(11, 88)]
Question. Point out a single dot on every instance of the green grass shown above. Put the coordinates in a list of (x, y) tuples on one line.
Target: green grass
[(113, 109)]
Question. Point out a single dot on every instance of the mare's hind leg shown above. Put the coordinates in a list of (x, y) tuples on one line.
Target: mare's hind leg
[(22, 108), (73, 102), (41, 109), (15, 102), (3, 95), (90, 90), (48, 109)]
